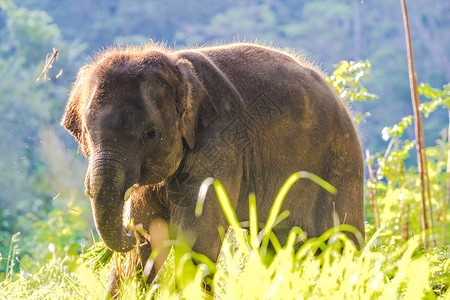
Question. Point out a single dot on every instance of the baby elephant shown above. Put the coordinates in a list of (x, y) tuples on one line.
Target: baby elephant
[(154, 123)]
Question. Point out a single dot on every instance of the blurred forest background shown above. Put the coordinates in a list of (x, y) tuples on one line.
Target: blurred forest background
[(41, 183)]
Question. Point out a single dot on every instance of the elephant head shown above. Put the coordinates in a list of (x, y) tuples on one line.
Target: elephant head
[(134, 115)]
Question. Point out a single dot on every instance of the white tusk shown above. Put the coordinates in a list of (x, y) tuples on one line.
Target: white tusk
[(127, 194), (86, 192)]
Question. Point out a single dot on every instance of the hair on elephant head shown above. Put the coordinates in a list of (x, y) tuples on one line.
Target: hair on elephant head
[(133, 114)]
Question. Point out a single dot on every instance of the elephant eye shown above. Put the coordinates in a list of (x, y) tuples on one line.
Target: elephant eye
[(150, 134)]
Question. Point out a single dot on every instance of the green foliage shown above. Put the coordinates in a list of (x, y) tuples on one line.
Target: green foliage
[(42, 262), (246, 270), (54, 280), (346, 81), (439, 98), (29, 33), (255, 22), (326, 31), (397, 188), (61, 233), (397, 130), (33, 157)]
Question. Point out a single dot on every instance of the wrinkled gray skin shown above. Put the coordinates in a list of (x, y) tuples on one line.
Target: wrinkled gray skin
[(162, 121)]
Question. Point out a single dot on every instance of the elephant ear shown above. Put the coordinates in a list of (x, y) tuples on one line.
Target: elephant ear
[(71, 119), (194, 103)]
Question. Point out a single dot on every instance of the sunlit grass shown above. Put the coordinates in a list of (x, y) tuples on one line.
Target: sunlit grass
[(246, 269)]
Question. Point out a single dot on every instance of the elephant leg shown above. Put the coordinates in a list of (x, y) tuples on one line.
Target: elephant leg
[(201, 232), (147, 210), (112, 287), (114, 280)]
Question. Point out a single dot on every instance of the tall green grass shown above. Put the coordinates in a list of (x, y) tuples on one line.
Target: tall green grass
[(246, 269)]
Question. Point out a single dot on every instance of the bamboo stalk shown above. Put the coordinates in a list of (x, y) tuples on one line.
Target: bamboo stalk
[(421, 158)]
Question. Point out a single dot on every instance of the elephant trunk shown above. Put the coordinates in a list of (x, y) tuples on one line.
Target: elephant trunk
[(106, 186)]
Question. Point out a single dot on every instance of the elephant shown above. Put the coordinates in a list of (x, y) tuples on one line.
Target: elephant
[(154, 122)]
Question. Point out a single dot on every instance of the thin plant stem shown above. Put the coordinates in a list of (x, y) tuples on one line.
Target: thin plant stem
[(405, 221), (388, 150), (421, 157), (373, 191), (444, 204)]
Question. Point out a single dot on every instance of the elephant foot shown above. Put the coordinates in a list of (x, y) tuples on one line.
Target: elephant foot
[(112, 288)]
